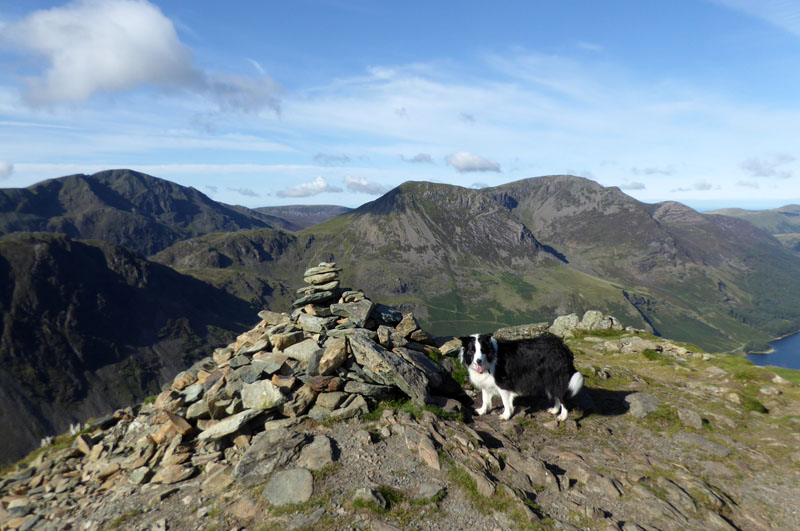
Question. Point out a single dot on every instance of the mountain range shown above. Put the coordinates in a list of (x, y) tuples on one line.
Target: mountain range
[(88, 325), (783, 222)]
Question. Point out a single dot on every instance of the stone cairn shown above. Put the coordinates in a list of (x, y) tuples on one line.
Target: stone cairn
[(337, 353)]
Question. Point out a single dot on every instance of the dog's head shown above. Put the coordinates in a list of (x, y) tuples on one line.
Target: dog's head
[(478, 352)]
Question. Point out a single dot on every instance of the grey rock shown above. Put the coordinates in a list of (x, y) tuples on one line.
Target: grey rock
[(692, 439), (331, 400), (258, 346), (564, 325), (371, 390), (423, 363), (306, 521), (641, 404), (369, 495), (315, 297), (273, 318), (198, 410), (261, 395), (304, 350), (239, 361), (314, 324), (428, 490), (407, 325), (291, 486), (388, 368), (357, 407), (527, 331), (357, 312), (249, 373), (690, 418), (192, 393), (140, 476), (269, 450), (316, 288), (351, 332), (228, 426), (284, 341), (319, 412), (595, 320), (316, 455)]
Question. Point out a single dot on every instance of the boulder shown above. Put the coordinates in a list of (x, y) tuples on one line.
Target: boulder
[(388, 368), (564, 325), (261, 395)]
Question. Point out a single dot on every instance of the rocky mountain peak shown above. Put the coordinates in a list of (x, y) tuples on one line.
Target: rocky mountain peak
[(344, 413)]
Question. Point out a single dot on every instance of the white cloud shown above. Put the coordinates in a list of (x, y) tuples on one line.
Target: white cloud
[(633, 186), (361, 185), (247, 192), (781, 13), (748, 184), (331, 160), (419, 158), (466, 162), (702, 186), (653, 171), (6, 169), (318, 186), (108, 46), (479, 185), (773, 166)]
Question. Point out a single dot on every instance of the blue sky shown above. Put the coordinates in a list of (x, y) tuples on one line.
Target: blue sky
[(269, 103)]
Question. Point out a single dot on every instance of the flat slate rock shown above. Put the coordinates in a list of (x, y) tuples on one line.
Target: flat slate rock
[(641, 404), (229, 425), (269, 450), (388, 368), (291, 486)]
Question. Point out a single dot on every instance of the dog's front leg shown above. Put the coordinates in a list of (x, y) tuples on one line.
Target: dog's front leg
[(508, 404), (486, 397)]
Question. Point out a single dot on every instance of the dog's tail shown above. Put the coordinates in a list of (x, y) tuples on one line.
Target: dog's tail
[(575, 384)]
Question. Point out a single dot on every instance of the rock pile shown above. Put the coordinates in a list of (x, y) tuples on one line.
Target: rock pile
[(250, 438), (337, 353)]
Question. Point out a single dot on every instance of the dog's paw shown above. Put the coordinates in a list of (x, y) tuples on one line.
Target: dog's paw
[(481, 410), (506, 415)]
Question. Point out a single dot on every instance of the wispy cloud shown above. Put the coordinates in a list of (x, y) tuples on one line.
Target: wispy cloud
[(362, 186), (331, 160), (92, 46), (247, 192), (774, 166), (633, 186), (419, 158), (467, 162), (653, 171), (784, 14), (316, 187), (6, 169)]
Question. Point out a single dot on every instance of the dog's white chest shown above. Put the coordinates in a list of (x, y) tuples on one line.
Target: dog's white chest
[(484, 381)]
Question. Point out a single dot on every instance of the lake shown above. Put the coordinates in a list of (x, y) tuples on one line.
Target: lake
[(787, 353)]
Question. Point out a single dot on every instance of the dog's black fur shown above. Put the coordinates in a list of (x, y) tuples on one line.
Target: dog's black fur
[(521, 368)]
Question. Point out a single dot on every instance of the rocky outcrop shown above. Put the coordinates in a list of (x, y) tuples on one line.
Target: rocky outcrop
[(287, 427)]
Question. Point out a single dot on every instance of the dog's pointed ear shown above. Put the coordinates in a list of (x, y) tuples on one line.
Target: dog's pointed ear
[(465, 340)]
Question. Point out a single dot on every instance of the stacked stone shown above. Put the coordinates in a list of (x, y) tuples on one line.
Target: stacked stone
[(323, 286), (336, 354)]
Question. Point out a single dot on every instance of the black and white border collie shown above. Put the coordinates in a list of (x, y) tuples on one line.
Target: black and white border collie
[(520, 368)]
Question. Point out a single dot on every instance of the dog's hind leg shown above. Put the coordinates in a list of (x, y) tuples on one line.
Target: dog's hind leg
[(486, 403), (508, 404)]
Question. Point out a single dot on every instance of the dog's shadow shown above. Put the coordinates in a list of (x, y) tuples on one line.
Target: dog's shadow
[(589, 401)]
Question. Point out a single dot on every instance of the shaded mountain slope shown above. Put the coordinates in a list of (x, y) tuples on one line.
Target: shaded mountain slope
[(90, 326), (303, 216), (125, 207), (783, 222)]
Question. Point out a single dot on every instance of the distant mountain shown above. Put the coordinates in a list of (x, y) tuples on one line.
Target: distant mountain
[(304, 216), (125, 207), (783, 222), (473, 260), (90, 326)]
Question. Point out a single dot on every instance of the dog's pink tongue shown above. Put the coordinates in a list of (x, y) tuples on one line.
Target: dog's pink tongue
[(479, 369)]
